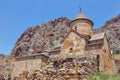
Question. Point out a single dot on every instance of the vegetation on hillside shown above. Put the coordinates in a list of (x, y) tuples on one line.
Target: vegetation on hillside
[(99, 76)]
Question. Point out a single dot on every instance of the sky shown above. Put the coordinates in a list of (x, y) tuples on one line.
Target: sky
[(18, 15)]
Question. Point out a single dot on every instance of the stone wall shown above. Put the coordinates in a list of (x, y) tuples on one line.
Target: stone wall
[(30, 63), (76, 67), (106, 58), (67, 68)]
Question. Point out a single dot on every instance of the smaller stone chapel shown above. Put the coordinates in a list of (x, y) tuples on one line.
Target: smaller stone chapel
[(81, 54)]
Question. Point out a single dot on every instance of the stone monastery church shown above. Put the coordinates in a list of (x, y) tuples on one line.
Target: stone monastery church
[(81, 54)]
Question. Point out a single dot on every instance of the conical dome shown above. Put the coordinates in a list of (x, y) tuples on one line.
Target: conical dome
[(81, 15)]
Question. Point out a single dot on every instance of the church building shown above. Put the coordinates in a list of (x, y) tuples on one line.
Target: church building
[(82, 53)]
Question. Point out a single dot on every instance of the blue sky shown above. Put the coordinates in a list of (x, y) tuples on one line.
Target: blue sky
[(18, 15)]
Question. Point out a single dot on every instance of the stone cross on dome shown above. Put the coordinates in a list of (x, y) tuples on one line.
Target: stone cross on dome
[(80, 8)]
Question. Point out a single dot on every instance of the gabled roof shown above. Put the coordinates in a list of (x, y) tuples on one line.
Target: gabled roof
[(71, 30), (97, 36)]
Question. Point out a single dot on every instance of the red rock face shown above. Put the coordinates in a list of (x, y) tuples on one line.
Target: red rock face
[(41, 37)]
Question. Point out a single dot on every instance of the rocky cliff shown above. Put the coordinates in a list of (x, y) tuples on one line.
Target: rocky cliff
[(6, 65), (49, 35), (41, 37)]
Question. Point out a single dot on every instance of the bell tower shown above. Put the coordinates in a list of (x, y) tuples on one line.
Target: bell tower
[(82, 24)]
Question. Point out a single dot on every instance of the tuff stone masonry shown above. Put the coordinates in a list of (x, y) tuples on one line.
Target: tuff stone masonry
[(81, 54)]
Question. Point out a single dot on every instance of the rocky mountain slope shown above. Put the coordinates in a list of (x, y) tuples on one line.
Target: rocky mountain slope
[(49, 35), (6, 65), (41, 37)]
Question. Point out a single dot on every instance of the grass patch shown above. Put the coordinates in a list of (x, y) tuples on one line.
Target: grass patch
[(99, 76)]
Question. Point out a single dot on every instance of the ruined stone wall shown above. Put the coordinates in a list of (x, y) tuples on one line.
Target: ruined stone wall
[(72, 67)]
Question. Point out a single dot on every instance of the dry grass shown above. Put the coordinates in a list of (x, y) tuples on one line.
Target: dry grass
[(117, 56)]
